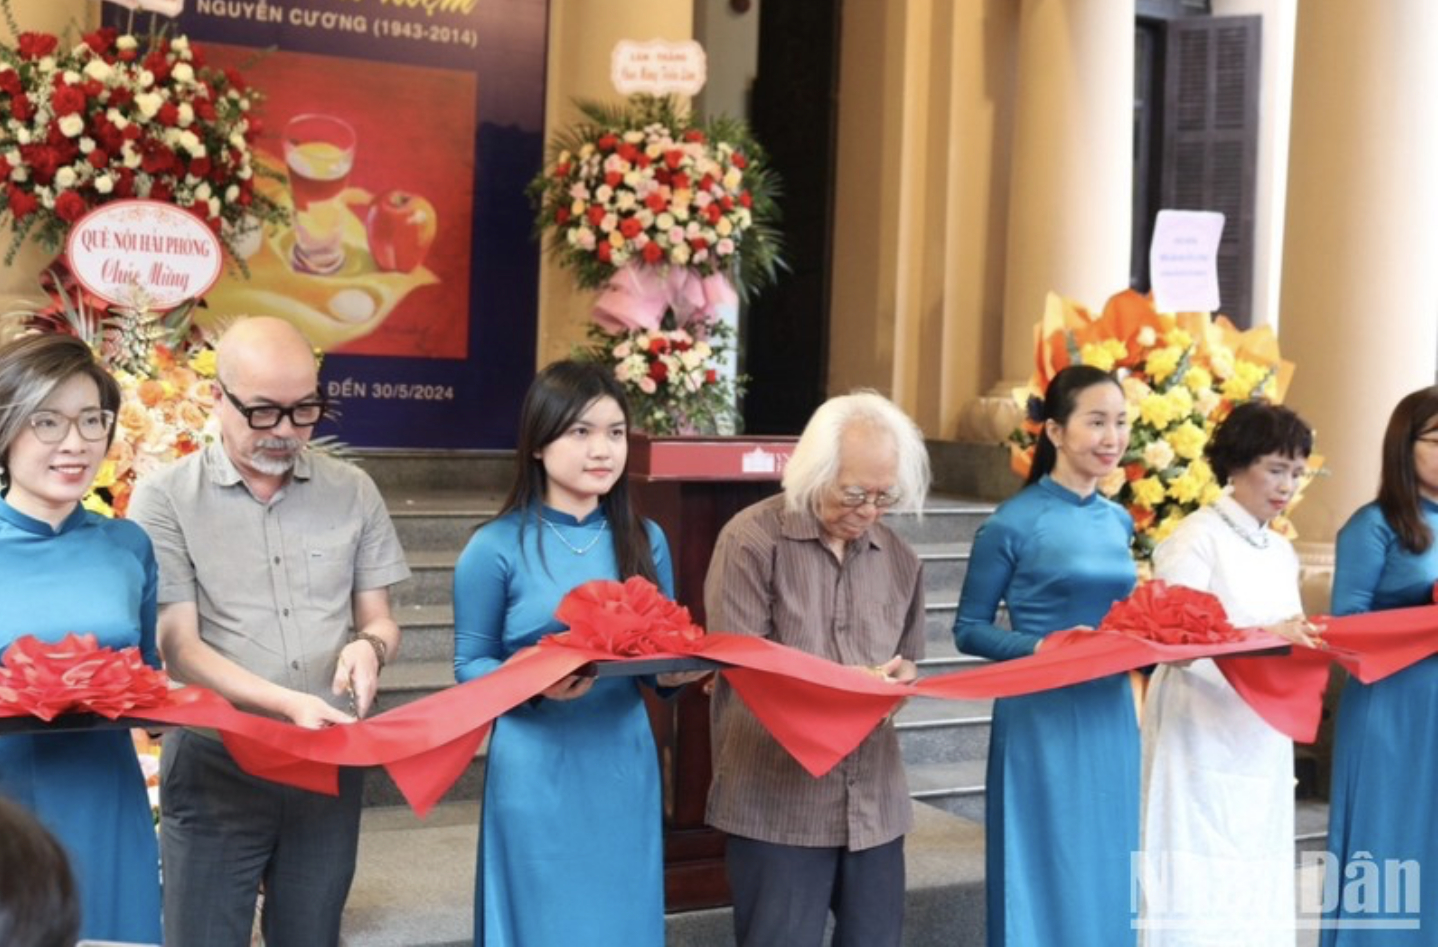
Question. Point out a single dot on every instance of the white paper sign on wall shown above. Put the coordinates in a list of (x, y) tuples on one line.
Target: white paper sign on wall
[(659, 67), (1184, 261), (144, 252)]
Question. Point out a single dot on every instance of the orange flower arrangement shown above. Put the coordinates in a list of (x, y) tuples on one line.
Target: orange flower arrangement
[(1181, 373)]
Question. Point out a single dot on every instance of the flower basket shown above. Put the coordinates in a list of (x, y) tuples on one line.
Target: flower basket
[(1182, 373), (672, 220)]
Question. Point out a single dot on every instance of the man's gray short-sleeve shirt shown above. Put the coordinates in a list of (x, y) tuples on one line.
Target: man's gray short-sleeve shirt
[(272, 581)]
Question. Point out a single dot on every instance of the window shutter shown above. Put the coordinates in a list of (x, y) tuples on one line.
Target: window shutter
[(1209, 139)]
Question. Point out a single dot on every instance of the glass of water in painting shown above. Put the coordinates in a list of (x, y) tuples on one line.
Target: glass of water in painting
[(319, 153)]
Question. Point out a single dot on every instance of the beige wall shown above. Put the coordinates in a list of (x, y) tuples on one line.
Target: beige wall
[(52, 16), (924, 137), (582, 34)]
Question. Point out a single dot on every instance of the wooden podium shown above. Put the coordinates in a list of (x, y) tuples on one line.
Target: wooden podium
[(691, 486)]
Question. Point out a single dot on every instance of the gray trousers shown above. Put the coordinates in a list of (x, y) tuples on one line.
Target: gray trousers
[(223, 833), (782, 893)]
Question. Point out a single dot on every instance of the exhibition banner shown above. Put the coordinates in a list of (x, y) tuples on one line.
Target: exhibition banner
[(401, 135)]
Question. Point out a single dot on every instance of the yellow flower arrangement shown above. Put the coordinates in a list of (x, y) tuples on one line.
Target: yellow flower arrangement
[(1181, 373)]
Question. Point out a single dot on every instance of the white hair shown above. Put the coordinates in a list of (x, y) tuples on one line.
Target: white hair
[(816, 462)]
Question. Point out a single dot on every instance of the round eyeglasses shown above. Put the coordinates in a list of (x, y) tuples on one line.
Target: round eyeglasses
[(51, 427), (301, 415), (855, 498)]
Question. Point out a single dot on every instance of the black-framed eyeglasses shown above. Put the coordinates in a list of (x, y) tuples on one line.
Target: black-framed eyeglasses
[(266, 416), (51, 427), (855, 498)]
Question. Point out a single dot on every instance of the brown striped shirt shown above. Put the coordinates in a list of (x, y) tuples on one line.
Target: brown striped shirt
[(773, 576)]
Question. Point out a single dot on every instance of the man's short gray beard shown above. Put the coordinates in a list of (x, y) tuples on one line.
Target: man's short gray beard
[(269, 464)]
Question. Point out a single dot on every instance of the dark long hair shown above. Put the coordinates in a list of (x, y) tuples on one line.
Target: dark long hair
[(30, 369), (1061, 399), (1399, 492), (39, 906), (558, 396)]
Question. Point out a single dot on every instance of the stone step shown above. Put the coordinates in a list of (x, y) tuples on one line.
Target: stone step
[(443, 519), (934, 731), (398, 472), (958, 788)]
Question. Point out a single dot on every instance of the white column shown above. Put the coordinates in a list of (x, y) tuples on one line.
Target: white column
[(1069, 223), (1362, 255)]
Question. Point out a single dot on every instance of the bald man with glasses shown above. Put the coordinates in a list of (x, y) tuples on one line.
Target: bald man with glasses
[(275, 564)]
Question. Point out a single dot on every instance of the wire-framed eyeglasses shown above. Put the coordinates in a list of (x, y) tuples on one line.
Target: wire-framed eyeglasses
[(856, 498)]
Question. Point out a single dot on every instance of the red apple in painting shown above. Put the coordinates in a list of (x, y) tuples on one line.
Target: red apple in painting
[(399, 229)]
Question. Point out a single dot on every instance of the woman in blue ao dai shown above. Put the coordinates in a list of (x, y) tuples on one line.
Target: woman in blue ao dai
[(1062, 772), (70, 570), (1384, 769), (570, 848)]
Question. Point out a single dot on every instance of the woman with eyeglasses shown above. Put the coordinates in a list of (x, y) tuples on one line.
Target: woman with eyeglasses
[(1062, 775), (1384, 769), (66, 570)]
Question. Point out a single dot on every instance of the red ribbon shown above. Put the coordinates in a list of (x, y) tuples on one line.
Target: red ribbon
[(818, 710)]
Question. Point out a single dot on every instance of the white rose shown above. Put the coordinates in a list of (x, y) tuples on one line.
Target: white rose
[(680, 254), (126, 42), (665, 221), (46, 64), (232, 193), (604, 193), (187, 114), (149, 103), (183, 73), (22, 135), (104, 184), (237, 141), (87, 144), (129, 155), (214, 205), (1159, 454), (71, 76), (202, 193), (65, 177), (114, 117), (71, 125), (98, 69), (633, 136), (190, 142), (180, 44), (724, 227), (732, 179), (632, 178), (145, 79), (13, 156), (608, 223)]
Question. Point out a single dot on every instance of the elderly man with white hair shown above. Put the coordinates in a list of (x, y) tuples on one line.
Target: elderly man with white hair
[(815, 569)]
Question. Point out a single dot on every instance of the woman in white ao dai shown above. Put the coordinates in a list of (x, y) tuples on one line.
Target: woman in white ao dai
[(1217, 782)]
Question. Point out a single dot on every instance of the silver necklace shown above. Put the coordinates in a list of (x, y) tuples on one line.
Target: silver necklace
[(600, 530), (1257, 539)]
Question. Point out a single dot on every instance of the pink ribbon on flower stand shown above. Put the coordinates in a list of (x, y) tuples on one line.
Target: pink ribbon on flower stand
[(638, 296)]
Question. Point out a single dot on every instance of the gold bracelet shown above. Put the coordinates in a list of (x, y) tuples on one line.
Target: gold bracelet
[(377, 644)]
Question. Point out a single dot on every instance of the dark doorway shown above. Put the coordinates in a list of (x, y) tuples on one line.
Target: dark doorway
[(793, 112)]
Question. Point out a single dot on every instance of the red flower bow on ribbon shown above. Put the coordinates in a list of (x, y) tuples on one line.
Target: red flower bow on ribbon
[(1175, 616), (76, 675), (630, 619)]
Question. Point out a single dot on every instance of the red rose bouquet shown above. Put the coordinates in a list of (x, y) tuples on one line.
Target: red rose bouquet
[(122, 116)]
